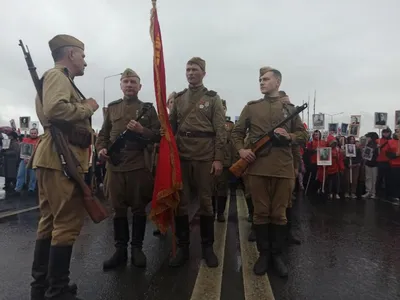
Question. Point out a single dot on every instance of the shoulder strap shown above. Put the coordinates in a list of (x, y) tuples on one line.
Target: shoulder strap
[(187, 112)]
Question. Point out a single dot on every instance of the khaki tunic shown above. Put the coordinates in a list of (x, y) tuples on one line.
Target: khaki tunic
[(207, 116), (130, 183), (60, 102), (271, 176), (198, 153), (60, 199), (221, 182)]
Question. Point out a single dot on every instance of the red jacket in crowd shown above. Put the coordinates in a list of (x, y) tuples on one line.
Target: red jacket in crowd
[(337, 160), (384, 145), (31, 141), (394, 147), (312, 147)]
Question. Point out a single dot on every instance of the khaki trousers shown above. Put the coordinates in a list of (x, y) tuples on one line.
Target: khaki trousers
[(132, 189), (196, 174), (61, 207), (271, 196)]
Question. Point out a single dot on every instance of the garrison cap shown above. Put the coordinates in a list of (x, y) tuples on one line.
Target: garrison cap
[(129, 73), (65, 40), (198, 61), (267, 69)]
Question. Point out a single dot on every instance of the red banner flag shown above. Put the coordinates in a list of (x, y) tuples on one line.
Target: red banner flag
[(168, 179)]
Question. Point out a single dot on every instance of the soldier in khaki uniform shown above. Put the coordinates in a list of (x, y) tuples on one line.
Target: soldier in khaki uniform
[(60, 199), (220, 195), (129, 183), (271, 174), (198, 121)]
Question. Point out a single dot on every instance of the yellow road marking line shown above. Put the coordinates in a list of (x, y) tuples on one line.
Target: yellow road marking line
[(255, 287), (209, 280), (16, 212)]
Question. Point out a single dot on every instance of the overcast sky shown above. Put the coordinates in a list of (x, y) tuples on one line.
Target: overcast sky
[(347, 50)]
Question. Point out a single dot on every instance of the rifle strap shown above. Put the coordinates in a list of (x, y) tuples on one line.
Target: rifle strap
[(92, 152), (192, 106), (54, 132)]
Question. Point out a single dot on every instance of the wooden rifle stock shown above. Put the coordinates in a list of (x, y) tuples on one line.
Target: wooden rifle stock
[(69, 163), (239, 167), (93, 206)]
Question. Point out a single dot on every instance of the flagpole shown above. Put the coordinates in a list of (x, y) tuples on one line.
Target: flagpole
[(315, 100)]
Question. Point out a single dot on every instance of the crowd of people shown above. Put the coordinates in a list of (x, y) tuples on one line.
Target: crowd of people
[(14, 164), (371, 173)]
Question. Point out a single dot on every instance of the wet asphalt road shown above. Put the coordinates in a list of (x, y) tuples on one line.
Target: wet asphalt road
[(350, 250)]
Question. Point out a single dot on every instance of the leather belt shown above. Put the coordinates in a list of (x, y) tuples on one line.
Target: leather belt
[(197, 134)]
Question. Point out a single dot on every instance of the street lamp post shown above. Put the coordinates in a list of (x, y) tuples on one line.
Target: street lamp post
[(104, 87)]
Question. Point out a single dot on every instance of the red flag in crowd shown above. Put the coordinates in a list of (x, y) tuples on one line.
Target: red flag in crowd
[(168, 179)]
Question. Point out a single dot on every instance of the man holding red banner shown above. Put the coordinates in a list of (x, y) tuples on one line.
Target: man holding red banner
[(129, 182), (198, 122)]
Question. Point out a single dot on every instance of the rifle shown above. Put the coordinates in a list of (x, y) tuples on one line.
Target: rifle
[(127, 135), (69, 163), (239, 167)]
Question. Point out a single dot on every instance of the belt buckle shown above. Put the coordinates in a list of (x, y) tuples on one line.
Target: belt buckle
[(188, 134)]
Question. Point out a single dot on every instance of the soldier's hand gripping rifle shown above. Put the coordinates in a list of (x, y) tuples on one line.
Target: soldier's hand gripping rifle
[(127, 135), (239, 167), (95, 209)]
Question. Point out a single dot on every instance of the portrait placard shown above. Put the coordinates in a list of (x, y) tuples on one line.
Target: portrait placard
[(324, 156), (24, 123), (397, 119), (344, 129), (34, 125), (333, 128), (12, 124), (354, 130), (368, 153), (380, 120), (318, 121), (351, 150), (26, 151), (355, 119)]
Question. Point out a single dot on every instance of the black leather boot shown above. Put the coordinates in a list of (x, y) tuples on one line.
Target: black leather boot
[(252, 235), (250, 208), (277, 237), (291, 239), (207, 241), (121, 237), (183, 241), (263, 247), (58, 274), (221, 208), (40, 269), (138, 258)]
